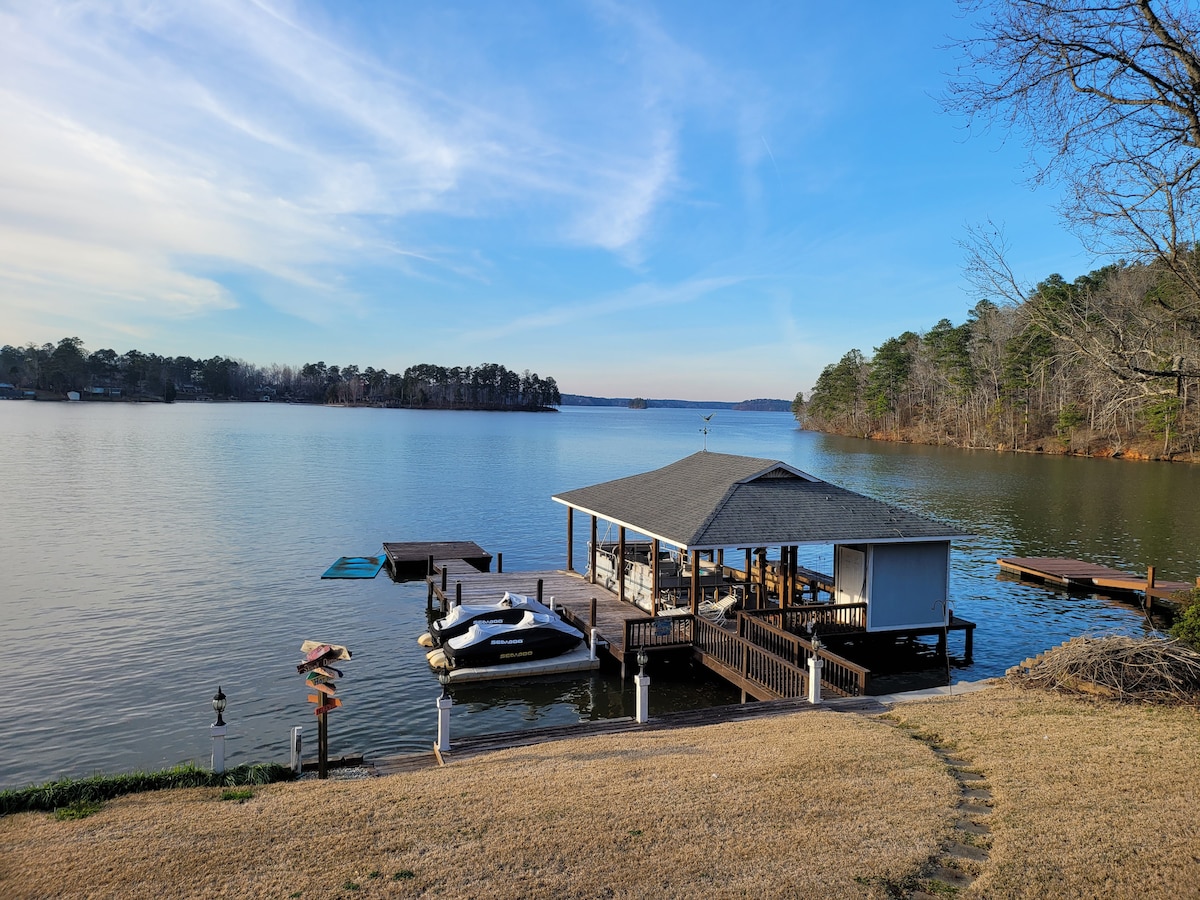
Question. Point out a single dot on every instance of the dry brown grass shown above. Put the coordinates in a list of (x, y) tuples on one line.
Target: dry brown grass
[(817, 804), (1092, 798)]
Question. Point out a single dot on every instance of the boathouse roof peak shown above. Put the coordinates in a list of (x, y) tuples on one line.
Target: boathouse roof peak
[(711, 500)]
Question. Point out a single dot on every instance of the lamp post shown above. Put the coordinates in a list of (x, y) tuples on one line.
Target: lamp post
[(443, 706), (217, 730), (815, 664), (642, 680)]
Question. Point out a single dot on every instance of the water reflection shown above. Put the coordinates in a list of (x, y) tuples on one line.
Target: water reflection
[(151, 553)]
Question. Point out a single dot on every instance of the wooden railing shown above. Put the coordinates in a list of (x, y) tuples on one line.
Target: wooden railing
[(842, 675), (845, 677), (763, 634), (808, 581), (662, 631), (775, 676), (758, 651), (828, 618)]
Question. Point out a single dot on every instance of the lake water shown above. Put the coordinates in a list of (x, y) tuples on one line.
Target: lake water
[(149, 553)]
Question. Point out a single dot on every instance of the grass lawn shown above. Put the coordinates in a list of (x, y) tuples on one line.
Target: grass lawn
[(1090, 799)]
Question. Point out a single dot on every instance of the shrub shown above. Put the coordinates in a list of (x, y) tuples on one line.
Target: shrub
[(63, 793), (1187, 621)]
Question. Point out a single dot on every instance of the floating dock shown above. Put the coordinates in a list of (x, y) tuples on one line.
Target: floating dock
[(410, 561), (1077, 575)]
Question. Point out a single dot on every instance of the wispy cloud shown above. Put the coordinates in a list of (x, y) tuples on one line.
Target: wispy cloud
[(639, 297), (151, 148)]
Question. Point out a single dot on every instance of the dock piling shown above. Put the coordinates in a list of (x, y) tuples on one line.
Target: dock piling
[(499, 563)]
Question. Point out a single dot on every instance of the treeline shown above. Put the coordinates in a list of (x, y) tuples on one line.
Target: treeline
[(1106, 364), (68, 366)]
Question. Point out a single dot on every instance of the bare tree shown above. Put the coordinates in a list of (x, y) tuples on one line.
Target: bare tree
[(1107, 98)]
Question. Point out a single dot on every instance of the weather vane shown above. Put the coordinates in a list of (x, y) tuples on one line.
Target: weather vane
[(704, 428)]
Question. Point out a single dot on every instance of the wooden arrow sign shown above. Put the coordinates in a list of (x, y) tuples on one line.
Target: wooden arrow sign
[(328, 707), (340, 652), (315, 677), (328, 671), (324, 688), (309, 664), (316, 698)]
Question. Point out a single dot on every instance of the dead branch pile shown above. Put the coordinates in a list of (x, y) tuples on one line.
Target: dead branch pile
[(1145, 670)]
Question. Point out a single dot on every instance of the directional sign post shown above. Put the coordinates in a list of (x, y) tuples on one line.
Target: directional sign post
[(320, 676)]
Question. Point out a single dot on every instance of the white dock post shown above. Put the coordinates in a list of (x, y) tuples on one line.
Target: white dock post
[(595, 641), (443, 737), (815, 664), (642, 680), (297, 742), (443, 706)]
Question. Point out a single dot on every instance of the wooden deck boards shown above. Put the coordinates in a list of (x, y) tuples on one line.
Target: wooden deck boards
[(409, 559), (1075, 573)]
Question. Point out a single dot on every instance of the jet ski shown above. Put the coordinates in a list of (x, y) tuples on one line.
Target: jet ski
[(510, 609), (490, 643)]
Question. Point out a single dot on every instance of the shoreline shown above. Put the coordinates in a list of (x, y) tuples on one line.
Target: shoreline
[(968, 790), (1101, 452)]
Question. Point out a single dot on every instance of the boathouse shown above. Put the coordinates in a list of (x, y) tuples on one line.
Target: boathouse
[(892, 562), (705, 563)]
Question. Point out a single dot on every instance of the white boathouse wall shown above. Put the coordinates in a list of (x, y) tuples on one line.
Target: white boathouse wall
[(905, 585)]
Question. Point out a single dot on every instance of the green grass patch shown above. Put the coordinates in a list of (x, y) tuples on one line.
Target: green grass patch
[(404, 874), (241, 795), (97, 789), (77, 809)]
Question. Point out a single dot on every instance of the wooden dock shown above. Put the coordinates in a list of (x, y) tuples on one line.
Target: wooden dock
[(1076, 575), (409, 561), (766, 658)]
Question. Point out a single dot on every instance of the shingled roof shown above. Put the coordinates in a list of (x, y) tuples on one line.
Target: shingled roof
[(712, 500)]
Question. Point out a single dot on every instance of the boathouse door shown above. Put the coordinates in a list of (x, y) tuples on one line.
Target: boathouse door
[(849, 575)]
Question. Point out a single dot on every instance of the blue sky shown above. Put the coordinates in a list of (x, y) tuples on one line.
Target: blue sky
[(697, 200)]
